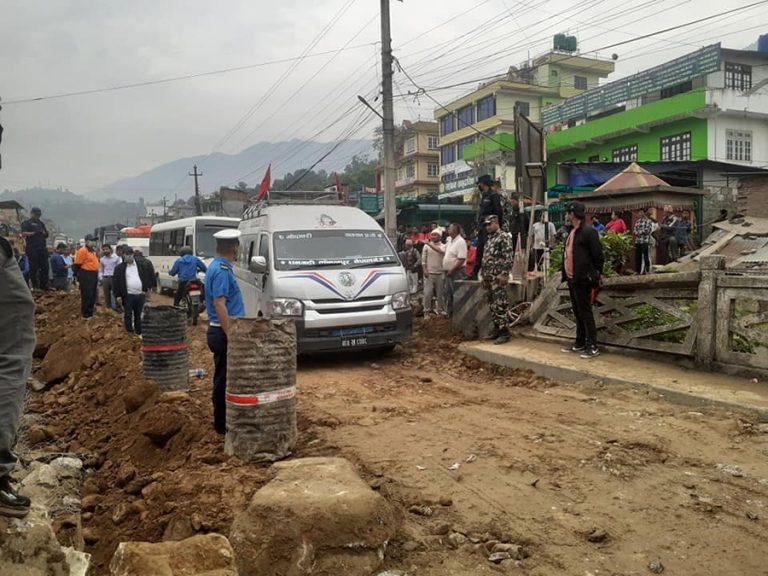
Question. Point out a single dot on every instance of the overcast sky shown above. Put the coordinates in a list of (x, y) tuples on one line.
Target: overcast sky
[(49, 47)]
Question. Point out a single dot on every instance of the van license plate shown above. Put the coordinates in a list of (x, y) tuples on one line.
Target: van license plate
[(352, 342)]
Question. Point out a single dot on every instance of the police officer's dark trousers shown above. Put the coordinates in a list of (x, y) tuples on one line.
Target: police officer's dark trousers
[(586, 330), (217, 343), (38, 267)]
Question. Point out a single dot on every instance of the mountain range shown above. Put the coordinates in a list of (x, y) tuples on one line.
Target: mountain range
[(220, 169)]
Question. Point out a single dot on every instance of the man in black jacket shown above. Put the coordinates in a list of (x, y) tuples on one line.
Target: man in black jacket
[(490, 205), (518, 224), (132, 279), (582, 268)]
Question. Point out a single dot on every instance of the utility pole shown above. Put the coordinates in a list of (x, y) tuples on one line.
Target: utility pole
[(165, 212), (388, 121), (198, 205)]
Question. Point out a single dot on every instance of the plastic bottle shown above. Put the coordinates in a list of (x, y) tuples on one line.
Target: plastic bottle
[(196, 373)]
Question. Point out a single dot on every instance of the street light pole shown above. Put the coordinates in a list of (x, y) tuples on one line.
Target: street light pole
[(388, 125)]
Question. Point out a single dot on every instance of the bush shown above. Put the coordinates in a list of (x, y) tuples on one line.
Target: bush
[(616, 250)]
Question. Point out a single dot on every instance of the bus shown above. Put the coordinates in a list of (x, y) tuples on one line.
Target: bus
[(168, 238), (136, 237)]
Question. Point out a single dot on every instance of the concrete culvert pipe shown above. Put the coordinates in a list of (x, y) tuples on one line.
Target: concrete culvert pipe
[(166, 357), (261, 389)]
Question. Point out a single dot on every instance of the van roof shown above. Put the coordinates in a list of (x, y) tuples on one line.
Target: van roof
[(310, 217)]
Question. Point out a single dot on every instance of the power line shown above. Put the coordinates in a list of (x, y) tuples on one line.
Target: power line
[(179, 78)]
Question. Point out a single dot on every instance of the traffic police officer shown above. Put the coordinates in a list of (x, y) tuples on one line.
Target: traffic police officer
[(497, 266), (223, 301)]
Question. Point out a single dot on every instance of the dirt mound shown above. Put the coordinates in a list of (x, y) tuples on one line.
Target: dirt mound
[(154, 462)]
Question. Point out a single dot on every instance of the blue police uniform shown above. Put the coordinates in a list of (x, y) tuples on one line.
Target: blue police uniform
[(220, 282)]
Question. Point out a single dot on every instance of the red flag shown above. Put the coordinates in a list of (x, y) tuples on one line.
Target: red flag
[(266, 182)]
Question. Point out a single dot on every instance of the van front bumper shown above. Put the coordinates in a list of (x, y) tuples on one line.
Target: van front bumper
[(359, 337)]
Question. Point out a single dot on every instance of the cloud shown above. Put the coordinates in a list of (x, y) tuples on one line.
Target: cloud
[(49, 47)]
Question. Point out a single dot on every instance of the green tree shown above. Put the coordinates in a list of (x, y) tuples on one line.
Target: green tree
[(361, 171)]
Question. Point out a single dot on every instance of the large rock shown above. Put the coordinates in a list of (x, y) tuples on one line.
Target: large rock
[(64, 357), (28, 547), (316, 517), (204, 555)]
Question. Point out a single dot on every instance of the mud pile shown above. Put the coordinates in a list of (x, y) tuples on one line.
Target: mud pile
[(155, 468)]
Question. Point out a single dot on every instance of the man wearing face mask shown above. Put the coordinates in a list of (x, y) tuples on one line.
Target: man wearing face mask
[(87, 274), (131, 282), (223, 301)]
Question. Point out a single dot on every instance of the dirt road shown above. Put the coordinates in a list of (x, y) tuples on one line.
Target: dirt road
[(589, 480)]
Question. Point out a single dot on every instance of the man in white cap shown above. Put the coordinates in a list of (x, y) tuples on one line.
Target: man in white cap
[(223, 301)]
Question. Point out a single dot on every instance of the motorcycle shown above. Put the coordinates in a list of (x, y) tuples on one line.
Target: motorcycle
[(194, 300)]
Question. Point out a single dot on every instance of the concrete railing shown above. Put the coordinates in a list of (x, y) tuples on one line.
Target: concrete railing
[(715, 318)]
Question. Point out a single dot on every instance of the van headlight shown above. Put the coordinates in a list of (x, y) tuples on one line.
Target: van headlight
[(286, 307), (401, 301)]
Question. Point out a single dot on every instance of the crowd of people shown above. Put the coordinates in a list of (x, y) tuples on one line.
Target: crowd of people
[(672, 236)]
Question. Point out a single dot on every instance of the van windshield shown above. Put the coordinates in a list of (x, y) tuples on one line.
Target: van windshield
[(307, 249), (205, 243)]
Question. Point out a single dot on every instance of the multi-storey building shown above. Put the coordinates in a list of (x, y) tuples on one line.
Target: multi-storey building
[(700, 120), (481, 123), (418, 157), (710, 105)]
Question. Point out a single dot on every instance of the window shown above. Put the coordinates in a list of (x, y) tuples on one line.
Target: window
[(739, 145), (486, 107), (461, 144), (433, 142), (447, 154), (410, 171), (466, 116), (595, 158), (264, 247), (676, 89), (625, 154), (738, 76), (410, 145), (432, 170), (446, 124), (524, 108), (677, 147), (580, 82)]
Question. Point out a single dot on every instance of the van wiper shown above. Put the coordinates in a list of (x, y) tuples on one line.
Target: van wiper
[(372, 265)]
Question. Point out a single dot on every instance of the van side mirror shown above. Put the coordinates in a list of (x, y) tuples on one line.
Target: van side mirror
[(258, 265)]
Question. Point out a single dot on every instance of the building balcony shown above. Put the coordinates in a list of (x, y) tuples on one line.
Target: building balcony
[(727, 100), (405, 182), (489, 146), (413, 181), (640, 119)]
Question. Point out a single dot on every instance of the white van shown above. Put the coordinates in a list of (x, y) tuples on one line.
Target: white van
[(167, 238), (329, 267)]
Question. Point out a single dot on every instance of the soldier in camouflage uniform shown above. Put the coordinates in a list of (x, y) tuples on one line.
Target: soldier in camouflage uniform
[(497, 266)]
